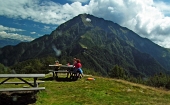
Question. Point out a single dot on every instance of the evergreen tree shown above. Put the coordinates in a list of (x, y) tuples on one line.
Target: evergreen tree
[(3, 69), (159, 80), (117, 72)]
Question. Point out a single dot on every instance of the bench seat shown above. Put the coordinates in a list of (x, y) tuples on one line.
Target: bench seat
[(20, 82), (22, 75), (21, 89), (59, 71)]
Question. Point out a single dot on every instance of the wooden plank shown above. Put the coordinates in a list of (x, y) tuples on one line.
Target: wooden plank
[(51, 70), (21, 75), (67, 66), (23, 82), (21, 89), (61, 71), (53, 65)]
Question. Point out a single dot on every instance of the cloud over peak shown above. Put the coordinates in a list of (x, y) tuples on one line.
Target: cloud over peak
[(148, 18)]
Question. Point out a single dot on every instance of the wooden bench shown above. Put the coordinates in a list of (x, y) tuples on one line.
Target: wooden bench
[(55, 73), (21, 89), (59, 71), (18, 82), (34, 84)]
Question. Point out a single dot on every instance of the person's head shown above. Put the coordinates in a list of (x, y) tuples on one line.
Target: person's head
[(74, 59), (78, 60)]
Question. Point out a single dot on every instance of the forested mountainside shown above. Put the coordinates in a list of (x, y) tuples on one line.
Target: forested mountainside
[(7, 41), (100, 44)]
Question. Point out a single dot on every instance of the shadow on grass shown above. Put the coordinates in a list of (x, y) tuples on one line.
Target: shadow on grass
[(47, 79), (59, 79), (21, 98)]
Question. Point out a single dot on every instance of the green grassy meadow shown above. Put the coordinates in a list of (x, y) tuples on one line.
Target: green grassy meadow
[(101, 91)]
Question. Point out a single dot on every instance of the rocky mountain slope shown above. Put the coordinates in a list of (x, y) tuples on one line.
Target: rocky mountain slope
[(99, 43)]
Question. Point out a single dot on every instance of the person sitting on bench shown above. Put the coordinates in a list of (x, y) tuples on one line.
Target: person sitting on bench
[(78, 68)]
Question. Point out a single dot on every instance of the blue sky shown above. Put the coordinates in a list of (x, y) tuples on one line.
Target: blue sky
[(26, 20)]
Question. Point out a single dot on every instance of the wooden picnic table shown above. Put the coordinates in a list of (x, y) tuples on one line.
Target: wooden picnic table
[(33, 84), (61, 69)]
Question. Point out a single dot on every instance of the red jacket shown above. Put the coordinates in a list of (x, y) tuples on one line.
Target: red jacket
[(78, 65)]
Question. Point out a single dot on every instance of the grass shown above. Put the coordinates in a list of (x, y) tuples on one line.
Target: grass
[(101, 91)]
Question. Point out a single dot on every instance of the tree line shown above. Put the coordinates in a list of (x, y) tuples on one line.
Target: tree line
[(42, 66), (157, 80)]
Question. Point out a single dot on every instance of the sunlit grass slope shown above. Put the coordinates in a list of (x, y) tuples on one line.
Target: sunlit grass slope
[(101, 91)]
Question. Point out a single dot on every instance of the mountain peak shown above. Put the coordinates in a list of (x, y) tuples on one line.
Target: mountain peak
[(99, 43)]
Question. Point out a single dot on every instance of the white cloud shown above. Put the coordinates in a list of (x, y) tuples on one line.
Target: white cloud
[(148, 18), (88, 20), (162, 6), (2, 28), (4, 34), (46, 27), (145, 17), (111, 9), (8, 32), (82, 1), (43, 12), (33, 32)]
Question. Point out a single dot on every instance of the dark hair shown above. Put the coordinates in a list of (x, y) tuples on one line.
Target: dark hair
[(78, 60)]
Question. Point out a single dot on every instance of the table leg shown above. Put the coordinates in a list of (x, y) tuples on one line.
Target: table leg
[(56, 69), (53, 74), (71, 73), (35, 83), (56, 74), (68, 74)]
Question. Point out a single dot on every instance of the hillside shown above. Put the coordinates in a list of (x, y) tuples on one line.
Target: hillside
[(99, 43), (101, 91), (7, 41)]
